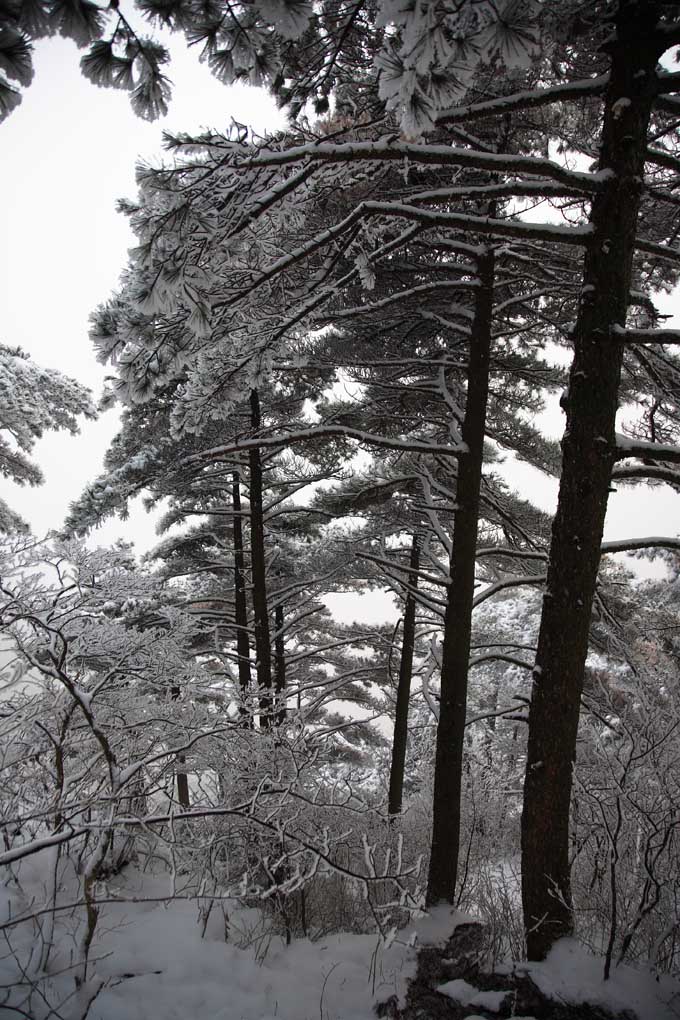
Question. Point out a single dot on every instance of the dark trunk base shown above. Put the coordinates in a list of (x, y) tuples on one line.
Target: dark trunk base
[(463, 957)]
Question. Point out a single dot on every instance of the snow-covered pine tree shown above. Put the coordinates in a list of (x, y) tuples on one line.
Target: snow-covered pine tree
[(33, 400)]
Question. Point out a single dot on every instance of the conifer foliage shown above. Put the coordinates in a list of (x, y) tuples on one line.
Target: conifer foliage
[(33, 401), (422, 59)]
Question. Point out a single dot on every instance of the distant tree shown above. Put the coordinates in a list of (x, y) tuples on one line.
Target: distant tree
[(33, 400)]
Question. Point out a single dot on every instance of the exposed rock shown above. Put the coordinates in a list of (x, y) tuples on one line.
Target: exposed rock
[(464, 956)]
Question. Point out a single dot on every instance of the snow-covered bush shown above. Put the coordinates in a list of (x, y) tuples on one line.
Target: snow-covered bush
[(626, 824), (118, 748)]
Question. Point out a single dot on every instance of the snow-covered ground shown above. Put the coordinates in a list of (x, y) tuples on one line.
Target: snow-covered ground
[(572, 974), (157, 964), (158, 961)]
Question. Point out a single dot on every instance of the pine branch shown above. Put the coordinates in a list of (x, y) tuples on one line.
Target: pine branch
[(317, 432), (645, 336), (626, 447), (631, 544), (530, 99), (646, 472), (659, 250), (389, 149), (509, 582)]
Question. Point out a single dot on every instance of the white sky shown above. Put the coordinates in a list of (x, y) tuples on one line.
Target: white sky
[(66, 155)]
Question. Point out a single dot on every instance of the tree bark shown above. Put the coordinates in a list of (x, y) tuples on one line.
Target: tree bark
[(279, 665), (588, 452), (240, 601), (263, 650), (458, 615), (404, 687), (181, 776)]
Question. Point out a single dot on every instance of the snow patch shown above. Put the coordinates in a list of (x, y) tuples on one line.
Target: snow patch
[(572, 974), (467, 995)]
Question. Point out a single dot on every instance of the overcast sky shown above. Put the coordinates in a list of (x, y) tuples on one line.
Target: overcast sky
[(66, 155)]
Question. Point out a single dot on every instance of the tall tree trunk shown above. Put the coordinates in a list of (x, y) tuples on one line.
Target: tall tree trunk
[(240, 602), (404, 686), (588, 451), (279, 665), (183, 786), (448, 773), (263, 650), (180, 775)]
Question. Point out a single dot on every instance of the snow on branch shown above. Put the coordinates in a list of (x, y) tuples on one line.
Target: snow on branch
[(529, 99), (404, 569), (304, 435), (319, 850), (626, 447), (631, 544), (439, 155), (661, 251), (664, 159), (509, 582), (508, 189), (498, 657), (402, 295), (646, 472), (522, 554), (425, 218), (481, 224), (18, 853), (266, 201), (645, 336)]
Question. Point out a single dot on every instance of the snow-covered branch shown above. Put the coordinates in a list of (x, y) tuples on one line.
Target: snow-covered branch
[(321, 431), (646, 336), (391, 149), (646, 472), (631, 544), (626, 447), (528, 99), (509, 582)]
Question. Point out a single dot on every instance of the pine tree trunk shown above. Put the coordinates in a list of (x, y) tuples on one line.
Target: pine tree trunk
[(588, 450), (279, 665), (180, 775), (458, 616), (183, 786), (240, 601), (404, 687), (263, 650)]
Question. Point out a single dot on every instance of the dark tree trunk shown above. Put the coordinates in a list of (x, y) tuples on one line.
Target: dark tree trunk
[(404, 686), (448, 773), (279, 665), (183, 787), (588, 451), (240, 602), (181, 776), (263, 650)]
